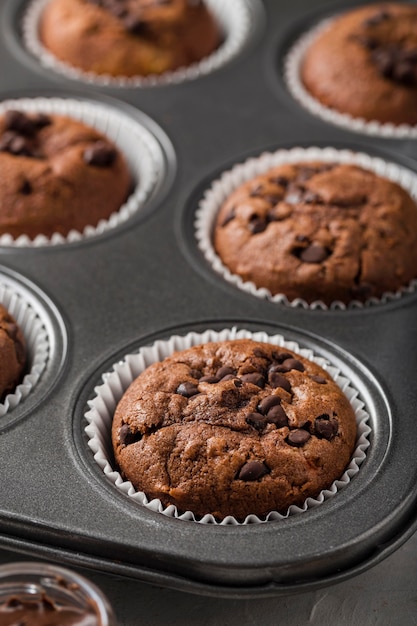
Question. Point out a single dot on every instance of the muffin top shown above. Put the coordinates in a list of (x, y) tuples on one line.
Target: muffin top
[(57, 175), (321, 232), (233, 428), (365, 64), (12, 353), (129, 37)]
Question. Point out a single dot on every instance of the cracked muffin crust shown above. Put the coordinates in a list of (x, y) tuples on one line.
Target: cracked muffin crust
[(365, 64), (57, 175), (129, 37), (320, 231), (12, 353), (236, 427)]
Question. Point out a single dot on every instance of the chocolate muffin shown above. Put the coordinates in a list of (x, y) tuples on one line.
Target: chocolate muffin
[(12, 353), (321, 232), (236, 427), (129, 37), (57, 175), (365, 64)]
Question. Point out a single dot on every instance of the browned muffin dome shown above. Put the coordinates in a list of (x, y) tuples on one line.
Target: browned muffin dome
[(129, 37), (233, 428), (12, 353), (57, 175), (320, 231), (365, 64)]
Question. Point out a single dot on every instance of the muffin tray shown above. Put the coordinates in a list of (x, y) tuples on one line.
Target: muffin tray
[(102, 298)]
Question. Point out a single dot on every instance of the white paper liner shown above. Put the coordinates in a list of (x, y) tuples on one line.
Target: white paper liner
[(221, 189), (292, 77), (115, 383), (37, 342), (140, 148), (235, 17)]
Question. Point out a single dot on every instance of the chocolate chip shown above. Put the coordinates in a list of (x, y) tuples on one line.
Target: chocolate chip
[(277, 380), (237, 382), (279, 367), (312, 198), (100, 154), (256, 420), (326, 428), (276, 415), (19, 122), (319, 379), (229, 217), (384, 60), (195, 373), (15, 144), (253, 470), (314, 254), (255, 378), (41, 120), (135, 25), (370, 43), (259, 353), (305, 173), (404, 72), (26, 188), (376, 19), (267, 403), (293, 364), (257, 224), (282, 181), (280, 357), (272, 198), (118, 10), (224, 371), (128, 437), (209, 379), (298, 437), (187, 389), (227, 377)]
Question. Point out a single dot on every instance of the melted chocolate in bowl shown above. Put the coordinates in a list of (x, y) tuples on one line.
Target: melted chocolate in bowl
[(36, 594)]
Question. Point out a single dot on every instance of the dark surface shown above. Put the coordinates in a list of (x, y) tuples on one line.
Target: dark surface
[(147, 280)]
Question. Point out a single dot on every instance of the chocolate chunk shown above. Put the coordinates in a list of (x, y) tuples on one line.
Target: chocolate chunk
[(19, 122), (293, 364), (187, 389), (257, 224), (227, 377), (255, 378), (319, 379), (277, 380), (128, 437), (26, 188), (229, 217), (314, 254), (253, 470), (278, 367), (256, 420), (326, 428), (209, 379), (298, 437), (267, 403), (276, 415), (100, 154)]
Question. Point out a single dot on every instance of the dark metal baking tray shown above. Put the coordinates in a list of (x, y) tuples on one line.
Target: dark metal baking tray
[(146, 279)]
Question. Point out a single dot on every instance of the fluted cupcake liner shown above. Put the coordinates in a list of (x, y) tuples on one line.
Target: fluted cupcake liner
[(116, 381), (236, 20), (37, 341), (140, 148), (292, 76), (230, 180)]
